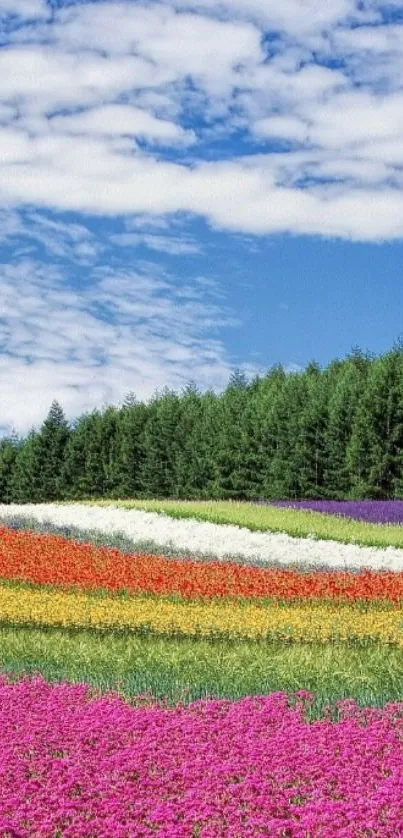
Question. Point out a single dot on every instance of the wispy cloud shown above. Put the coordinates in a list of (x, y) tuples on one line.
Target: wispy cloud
[(28, 9), (292, 17), (122, 331), (172, 245), (70, 241)]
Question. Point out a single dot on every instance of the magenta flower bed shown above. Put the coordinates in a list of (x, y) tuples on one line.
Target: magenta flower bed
[(82, 767), (373, 511)]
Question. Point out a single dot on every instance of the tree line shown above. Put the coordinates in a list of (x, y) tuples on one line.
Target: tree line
[(332, 433)]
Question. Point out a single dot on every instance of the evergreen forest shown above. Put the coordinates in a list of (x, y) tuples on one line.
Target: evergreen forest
[(331, 433)]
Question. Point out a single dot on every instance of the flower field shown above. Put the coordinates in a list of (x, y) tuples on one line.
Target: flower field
[(253, 534), (190, 676), (102, 768), (373, 511)]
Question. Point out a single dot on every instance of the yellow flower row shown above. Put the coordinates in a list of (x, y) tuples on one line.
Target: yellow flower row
[(313, 621)]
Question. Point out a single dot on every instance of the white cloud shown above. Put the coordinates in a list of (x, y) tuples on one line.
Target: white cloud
[(282, 127), (315, 121), (254, 194), (23, 8), (10, 224), (42, 79), (120, 332), (373, 39), (152, 222), (291, 16), (172, 245), (185, 43), (14, 146), (123, 120), (69, 241), (373, 54), (364, 116)]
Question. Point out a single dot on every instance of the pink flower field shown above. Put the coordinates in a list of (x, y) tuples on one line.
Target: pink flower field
[(85, 766)]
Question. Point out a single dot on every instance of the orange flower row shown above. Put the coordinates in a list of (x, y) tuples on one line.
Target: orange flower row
[(52, 559)]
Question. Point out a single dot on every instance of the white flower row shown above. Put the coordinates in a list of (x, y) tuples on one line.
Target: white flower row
[(220, 540)]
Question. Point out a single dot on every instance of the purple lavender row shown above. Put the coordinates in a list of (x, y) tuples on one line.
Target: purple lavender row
[(79, 767), (373, 511)]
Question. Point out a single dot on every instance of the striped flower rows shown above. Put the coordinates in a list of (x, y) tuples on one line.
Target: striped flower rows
[(239, 619), (52, 560), (209, 600), (179, 628), (203, 537)]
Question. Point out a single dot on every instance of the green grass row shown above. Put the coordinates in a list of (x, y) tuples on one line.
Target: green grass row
[(188, 669), (295, 522)]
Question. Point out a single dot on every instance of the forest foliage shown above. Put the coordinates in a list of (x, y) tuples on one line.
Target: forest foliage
[(332, 433)]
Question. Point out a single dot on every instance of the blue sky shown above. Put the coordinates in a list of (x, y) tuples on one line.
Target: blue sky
[(191, 186)]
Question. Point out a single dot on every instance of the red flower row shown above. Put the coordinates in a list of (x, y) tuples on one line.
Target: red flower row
[(51, 559)]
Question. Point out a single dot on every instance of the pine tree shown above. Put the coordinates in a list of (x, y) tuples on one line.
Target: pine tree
[(82, 472), (8, 453), (24, 482), (344, 400), (374, 452), (186, 466), (109, 451), (253, 450), (270, 401), (204, 442), (257, 428), (130, 448), (312, 432), (52, 440), (231, 448), (284, 478), (158, 470)]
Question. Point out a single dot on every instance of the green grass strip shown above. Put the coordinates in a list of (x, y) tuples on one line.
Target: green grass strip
[(294, 522), (188, 669)]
